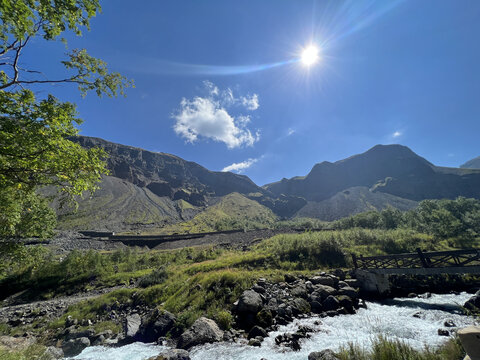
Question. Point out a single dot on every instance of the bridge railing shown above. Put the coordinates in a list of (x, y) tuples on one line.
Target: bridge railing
[(419, 259)]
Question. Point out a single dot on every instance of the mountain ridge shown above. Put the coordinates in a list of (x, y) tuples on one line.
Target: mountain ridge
[(156, 189)]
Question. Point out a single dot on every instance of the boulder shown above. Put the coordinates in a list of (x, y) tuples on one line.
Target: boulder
[(53, 353), (317, 308), (324, 291), (324, 280), (347, 303), (131, 326), (299, 291), (255, 342), (473, 304), (74, 347), (259, 289), (172, 354), (257, 331), (202, 331), (348, 291), (155, 326), (264, 318), (300, 306), (330, 303), (322, 355), (250, 302)]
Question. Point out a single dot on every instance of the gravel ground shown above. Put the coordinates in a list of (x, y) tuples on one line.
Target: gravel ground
[(15, 313), (66, 241)]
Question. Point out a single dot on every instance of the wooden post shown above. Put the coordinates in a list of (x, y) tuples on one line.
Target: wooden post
[(354, 259), (422, 258)]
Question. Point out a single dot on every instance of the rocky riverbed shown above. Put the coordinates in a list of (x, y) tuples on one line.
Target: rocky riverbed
[(273, 320), (416, 321)]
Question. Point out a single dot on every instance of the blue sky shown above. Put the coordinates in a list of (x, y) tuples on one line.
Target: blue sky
[(218, 82)]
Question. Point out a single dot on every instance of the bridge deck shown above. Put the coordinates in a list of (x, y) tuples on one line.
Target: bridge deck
[(422, 263)]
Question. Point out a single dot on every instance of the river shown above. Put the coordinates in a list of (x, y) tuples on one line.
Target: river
[(392, 318)]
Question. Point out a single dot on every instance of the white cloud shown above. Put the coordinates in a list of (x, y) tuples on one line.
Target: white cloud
[(290, 132), (241, 166), (207, 117), (397, 134), (250, 102)]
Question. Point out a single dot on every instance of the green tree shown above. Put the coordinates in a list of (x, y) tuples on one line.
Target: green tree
[(35, 133)]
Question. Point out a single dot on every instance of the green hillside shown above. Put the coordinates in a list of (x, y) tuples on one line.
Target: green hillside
[(233, 211)]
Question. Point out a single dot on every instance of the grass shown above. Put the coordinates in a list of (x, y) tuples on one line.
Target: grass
[(233, 211), (387, 349), (32, 352), (194, 282)]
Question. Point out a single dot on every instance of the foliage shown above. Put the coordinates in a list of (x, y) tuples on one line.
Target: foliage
[(157, 276), (457, 220), (36, 149), (387, 349), (233, 212)]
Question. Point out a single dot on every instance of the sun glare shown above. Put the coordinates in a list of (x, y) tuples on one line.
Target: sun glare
[(310, 55)]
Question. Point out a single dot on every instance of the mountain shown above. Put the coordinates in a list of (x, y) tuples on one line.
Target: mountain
[(472, 164), (157, 192), (149, 192), (168, 175), (352, 201), (388, 169)]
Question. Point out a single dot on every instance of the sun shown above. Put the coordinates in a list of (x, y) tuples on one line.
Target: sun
[(310, 55)]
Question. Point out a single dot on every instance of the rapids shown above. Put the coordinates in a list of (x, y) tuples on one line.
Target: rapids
[(391, 318)]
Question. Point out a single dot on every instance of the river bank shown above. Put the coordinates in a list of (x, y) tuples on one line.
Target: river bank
[(415, 321)]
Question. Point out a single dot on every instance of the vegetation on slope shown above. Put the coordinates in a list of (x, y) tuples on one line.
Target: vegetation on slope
[(232, 212), (457, 221)]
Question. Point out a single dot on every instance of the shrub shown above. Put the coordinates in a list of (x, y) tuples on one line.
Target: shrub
[(157, 276)]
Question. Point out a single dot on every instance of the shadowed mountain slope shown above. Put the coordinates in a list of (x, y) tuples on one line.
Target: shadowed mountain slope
[(472, 164), (391, 169), (352, 201), (158, 192)]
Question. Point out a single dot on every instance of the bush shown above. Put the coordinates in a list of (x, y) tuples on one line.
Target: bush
[(224, 319), (157, 276)]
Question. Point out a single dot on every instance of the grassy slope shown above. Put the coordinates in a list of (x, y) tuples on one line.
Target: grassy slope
[(233, 211), (198, 281)]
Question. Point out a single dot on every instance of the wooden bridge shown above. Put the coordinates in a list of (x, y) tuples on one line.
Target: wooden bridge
[(373, 271), (422, 263)]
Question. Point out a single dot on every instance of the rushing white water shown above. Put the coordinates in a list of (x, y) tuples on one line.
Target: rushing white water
[(393, 318)]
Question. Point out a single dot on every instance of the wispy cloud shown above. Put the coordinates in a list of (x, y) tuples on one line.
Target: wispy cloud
[(290, 131), (208, 117), (241, 166), (397, 134)]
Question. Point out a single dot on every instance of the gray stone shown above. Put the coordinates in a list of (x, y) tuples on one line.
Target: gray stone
[(257, 331), (324, 291), (53, 353), (330, 303), (324, 280), (202, 331), (74, 347), (348, 291), (155, 326), (132, 325), (300, 306), (172, 354), (299, 291), (322, 355), (249, 302)]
